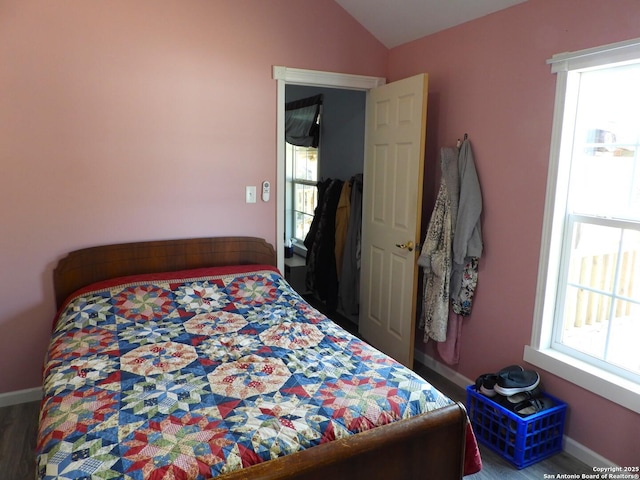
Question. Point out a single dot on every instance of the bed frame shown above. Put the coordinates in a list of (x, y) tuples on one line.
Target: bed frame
[(428, 446)]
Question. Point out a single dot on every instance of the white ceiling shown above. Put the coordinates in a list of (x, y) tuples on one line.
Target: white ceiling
[(395, 22)]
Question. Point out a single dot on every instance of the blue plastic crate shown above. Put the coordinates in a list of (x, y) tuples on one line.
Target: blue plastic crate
[(523, 441)]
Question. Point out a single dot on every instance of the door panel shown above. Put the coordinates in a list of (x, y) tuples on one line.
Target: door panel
[(392, 200), (398, 275)]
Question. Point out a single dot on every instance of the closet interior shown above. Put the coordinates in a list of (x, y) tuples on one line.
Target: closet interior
[(323, 200)]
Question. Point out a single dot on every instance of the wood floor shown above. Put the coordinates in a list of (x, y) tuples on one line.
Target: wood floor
[(18, 428)]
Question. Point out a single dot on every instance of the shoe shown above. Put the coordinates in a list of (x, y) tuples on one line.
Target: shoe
[(486, 382), (511, 368), (533, 405), (523, 396), (512, 382)]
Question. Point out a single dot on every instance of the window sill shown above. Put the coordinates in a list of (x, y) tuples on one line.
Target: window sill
[(613, 388), (299, 249)]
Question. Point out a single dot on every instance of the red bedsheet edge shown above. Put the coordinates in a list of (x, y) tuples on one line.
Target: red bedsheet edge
[(472, 459)]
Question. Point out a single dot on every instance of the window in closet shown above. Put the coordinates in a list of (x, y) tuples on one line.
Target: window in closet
[(302, 166)]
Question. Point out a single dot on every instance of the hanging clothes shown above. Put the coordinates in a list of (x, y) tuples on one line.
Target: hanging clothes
[(436, 256), (333, 245), (322, 276), (342, 224), (451, 250), (349, 287), (467, 241), (312, 235)]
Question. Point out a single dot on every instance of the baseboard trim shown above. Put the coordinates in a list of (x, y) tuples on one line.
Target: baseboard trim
[(20, 396), (586, 455), (571, 447)]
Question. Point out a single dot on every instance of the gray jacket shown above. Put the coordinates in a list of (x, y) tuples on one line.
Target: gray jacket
[(467, 240)]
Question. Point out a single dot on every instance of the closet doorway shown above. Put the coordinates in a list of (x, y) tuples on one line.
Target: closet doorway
[(325, 166), (341, 90)]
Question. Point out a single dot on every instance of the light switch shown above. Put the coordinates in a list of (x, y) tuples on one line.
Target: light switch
[(250, 194)]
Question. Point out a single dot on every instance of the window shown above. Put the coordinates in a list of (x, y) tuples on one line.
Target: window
[(302, 138), (302, 166), (587, 317)]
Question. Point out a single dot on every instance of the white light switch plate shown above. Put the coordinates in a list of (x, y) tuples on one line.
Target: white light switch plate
[(250, 194)]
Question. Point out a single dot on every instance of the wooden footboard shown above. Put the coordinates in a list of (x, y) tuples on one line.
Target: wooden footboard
[(429, 446)]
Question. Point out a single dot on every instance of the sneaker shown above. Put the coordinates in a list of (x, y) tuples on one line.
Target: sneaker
[(485, 384), (511, 368), (512, 382)]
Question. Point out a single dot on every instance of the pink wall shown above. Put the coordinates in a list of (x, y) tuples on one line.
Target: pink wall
[(124, 121), (489, 78)]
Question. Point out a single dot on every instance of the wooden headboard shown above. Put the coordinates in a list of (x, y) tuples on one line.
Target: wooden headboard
[(83, 267)]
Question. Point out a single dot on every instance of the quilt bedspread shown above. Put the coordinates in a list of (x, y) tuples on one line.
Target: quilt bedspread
[(188, 378)]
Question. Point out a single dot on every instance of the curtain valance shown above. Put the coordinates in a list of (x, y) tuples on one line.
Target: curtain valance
[(301, 121)]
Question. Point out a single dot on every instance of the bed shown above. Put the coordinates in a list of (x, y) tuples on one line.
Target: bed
[(194, 359)]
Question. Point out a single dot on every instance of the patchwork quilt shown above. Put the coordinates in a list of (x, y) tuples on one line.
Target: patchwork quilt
[(190, 375)]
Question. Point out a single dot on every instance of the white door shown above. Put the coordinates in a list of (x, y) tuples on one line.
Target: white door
[(392, 204)]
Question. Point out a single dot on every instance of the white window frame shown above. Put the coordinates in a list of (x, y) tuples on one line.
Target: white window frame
[(540, 353), (292, 181)]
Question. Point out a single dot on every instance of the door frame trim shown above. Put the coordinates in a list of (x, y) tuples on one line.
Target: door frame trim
[(297, 76)]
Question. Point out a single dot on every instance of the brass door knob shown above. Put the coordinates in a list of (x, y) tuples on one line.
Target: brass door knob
[(407, 246)]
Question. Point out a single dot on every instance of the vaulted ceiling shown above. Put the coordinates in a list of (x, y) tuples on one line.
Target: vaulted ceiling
[(395, 22)]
